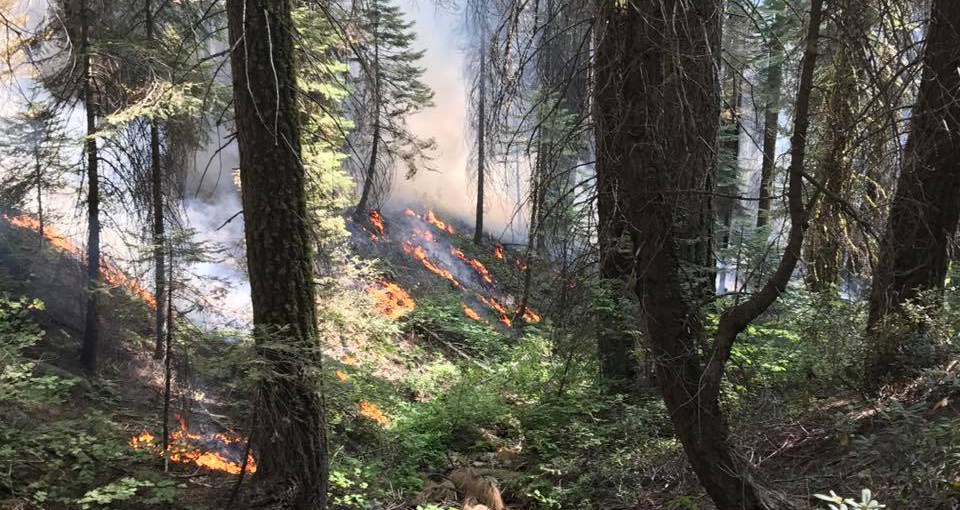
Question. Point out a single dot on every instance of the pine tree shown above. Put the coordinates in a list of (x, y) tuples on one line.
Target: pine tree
[(392, 89)]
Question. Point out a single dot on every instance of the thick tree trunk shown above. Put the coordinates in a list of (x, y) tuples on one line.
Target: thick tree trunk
[(773, 82), (90, 346), (925, 210), (159, 237), (290, 435), (615, 347), (667, 96), (481, 141)]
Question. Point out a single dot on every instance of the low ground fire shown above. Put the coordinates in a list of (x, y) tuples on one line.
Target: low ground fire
[(215, 451), (112, 274)]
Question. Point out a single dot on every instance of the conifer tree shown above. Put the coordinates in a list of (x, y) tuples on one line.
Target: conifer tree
[(392, 89)]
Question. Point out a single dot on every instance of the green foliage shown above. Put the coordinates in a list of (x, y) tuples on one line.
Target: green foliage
[(118, 494), (838, 503)]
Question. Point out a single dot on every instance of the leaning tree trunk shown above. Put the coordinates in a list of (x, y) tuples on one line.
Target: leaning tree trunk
[(772, 83), (88, 350), (923, 218), (667, 96), (368, 180), (289, 437)]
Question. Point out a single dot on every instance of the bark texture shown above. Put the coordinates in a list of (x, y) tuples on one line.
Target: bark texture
[(91, 334), (289, 438), (665, 139), (925, 210)]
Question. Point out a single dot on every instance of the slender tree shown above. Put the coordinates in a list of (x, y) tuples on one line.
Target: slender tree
[(290, 437), (926, 207), (392, 89), (772, 85)]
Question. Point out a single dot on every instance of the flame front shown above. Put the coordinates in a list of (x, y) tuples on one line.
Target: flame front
[(373, 412), (377, 221), (433, 220), (420, 254), (391, 300), (471, 313), (110, 272), (475, 264), (184, 449)]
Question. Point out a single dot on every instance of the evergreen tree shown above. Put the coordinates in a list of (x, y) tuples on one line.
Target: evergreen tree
[(391, 90)]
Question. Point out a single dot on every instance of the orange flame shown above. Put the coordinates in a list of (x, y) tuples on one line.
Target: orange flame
[(471, 313), (497, 307), (110, 272), (348, 360), (377, 221), (432, 219), (373, 411), (475, 264), (392, 301), (531, 316), (342, 376), (184, 449), (420, 254), (498, 251)]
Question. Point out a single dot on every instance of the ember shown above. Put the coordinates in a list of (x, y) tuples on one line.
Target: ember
[(189, 448), (377, 221), (392, 301), (111, 273), (471, 313), (373, 411), (530, 316), (341, 375), (498, 251)]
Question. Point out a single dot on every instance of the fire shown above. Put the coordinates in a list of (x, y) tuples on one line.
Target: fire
[(475, 264), (392, 301), (348, 360), (110, 272), (189, 448), (531, 316), (520, 265), (471, 313), (498, 251), (373, 411), (420, 254), (342, 376), (433, 220), (377, 221)]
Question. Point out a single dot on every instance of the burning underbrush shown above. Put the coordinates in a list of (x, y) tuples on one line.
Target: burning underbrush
[(110, 271), (434, 245), (221, 452)]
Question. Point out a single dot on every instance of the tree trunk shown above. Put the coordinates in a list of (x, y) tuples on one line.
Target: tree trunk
[(773, 82), (615, 347), (38, 175), (667, 96), (923, 218), (375, 143), (159, 238), (90, 346), (824, 246), (290, 422), (481, 140)]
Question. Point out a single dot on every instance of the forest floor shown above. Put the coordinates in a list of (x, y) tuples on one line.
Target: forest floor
[(422, 398)]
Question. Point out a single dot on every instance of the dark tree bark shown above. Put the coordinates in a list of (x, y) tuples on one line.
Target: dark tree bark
[(772, 85), (669, 106), (615, 348), (159, 237), (481, 141), (925, 210), (90, 346), (375, 142), (290, 434)]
